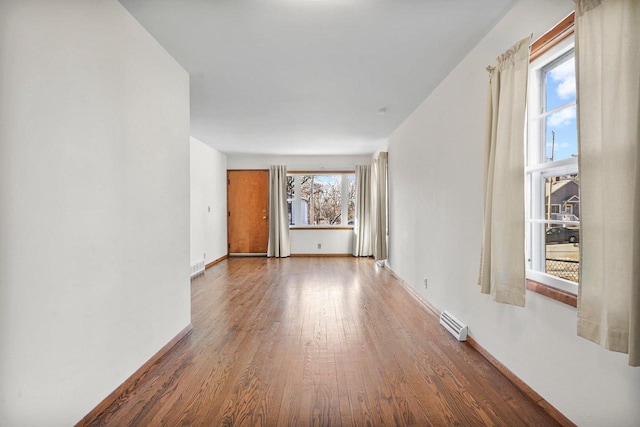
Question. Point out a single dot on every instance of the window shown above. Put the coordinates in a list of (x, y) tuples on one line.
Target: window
[(552, 175), (325, 200)]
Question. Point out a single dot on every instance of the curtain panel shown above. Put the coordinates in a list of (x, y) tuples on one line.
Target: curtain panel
[(380, 205), (279, 244), (362, 229), (502, 260), (607, 39)]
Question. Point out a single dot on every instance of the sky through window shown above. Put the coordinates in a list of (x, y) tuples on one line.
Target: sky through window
[(560, 94)]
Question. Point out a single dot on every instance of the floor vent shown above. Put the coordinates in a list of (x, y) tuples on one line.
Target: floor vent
[(197, 268), (453, 325)]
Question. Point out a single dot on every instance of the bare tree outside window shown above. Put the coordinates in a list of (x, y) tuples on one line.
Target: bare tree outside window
[(351, 210), (321, 200), (323, 194)]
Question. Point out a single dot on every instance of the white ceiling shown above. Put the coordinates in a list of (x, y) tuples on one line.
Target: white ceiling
[(312, 76)]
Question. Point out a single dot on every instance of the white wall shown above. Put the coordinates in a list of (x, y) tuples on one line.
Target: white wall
[(306, 241), (208, 203), (94, 205), (314, 163), (435, 172), (330, 241)]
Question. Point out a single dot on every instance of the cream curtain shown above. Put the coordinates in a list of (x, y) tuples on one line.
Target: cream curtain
[(279, 244), (502, 265), (608, 73), (379, 203), (362, 229)]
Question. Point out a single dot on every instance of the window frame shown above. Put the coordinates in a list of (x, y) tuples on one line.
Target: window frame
[(546, 51), (344, 194)]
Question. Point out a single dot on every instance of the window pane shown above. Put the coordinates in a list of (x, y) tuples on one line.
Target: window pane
[(290, 187), (305, 198), (322, 195), (351, 210), (290, 199), (564, 203), (560, 83), (562, 241), (561, 134), (328, 200), (553, 191), (562, 252)]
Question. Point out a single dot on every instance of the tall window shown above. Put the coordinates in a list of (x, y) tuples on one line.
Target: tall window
[(552, 175), (321, 199)]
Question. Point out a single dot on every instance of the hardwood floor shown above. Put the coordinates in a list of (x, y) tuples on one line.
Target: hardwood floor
[(318, 341)]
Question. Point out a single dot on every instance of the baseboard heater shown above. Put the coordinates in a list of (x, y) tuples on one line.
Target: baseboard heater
[(197, 268), (453, 325)]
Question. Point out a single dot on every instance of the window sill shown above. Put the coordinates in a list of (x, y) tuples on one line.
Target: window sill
[(553, 293)]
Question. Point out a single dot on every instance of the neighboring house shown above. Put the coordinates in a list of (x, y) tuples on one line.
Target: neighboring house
[(304, 206), (565, 200)]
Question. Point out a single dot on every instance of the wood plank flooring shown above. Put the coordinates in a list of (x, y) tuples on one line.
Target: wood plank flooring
[(318, 342)]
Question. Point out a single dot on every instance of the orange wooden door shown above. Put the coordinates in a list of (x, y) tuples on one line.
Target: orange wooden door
[(248, 204)]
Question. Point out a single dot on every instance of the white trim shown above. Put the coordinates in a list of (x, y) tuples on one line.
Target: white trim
[(556, 52), (564, 166), (557, 109), (553, 281)]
